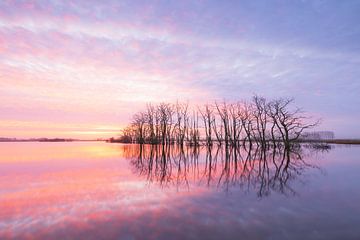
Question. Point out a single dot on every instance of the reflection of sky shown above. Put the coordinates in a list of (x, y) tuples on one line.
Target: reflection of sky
[(84, 195), (93, 64)]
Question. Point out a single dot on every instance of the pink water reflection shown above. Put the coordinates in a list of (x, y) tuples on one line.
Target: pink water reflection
[(106, 191), (50, 186)]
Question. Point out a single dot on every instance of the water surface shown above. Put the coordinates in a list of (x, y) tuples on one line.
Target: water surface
[(97, 190)]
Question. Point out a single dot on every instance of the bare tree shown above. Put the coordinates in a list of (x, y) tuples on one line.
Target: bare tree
[(139, 121), (260, 114), (151, 124), (166, 120), (246, 119), (208, 119), (194, 133), (235, 126), (223, 112), (290, 122), (181, 125)]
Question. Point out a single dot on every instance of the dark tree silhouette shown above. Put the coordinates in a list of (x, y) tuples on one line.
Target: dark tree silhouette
[(273, 123)]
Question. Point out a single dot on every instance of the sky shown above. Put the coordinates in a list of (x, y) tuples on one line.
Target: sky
[(80, 69)]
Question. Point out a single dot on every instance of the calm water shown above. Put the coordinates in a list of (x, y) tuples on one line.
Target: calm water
[(110, 191)]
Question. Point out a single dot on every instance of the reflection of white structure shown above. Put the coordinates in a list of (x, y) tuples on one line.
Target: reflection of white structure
[(318, 135)]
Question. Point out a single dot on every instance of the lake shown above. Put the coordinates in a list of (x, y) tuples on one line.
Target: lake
[(98, 190)]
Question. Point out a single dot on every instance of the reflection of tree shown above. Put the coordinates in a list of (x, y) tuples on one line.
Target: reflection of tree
[(263, 170)]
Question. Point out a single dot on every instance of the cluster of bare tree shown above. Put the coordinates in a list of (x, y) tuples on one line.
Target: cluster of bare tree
[(259, 121)]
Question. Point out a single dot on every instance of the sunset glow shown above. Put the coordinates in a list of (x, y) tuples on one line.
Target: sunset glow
[(81, 68)]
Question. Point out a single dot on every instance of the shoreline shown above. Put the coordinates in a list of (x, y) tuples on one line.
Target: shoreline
[(52, 140), (333, 141)]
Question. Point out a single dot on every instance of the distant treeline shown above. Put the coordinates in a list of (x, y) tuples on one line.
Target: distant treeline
[(37, 140), (258, 121)]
